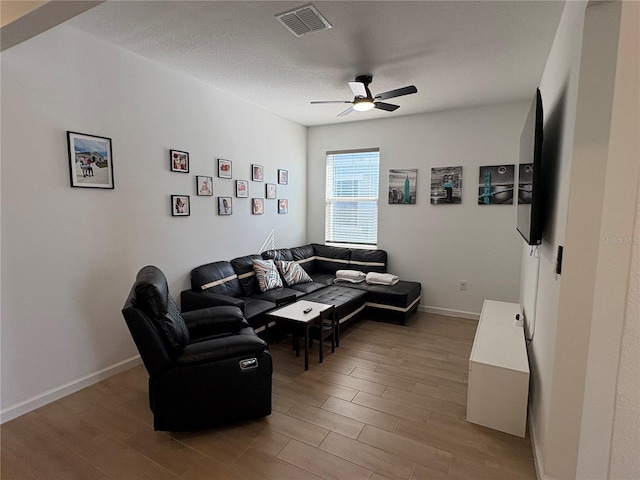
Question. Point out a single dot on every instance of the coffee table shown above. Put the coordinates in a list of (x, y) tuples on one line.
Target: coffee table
[(304, 314)]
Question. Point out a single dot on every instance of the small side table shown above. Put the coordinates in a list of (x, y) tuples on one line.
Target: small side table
[(295, 313)]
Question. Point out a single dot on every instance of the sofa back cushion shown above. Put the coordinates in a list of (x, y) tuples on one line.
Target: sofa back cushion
[(151, 295), (368, 260), (305, 256), (283, 254), (243, 266), (216, 277), (331, 259)]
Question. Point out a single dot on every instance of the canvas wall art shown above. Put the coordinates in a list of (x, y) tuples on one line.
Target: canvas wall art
[(403, 184), (446, 185), (495, 185)]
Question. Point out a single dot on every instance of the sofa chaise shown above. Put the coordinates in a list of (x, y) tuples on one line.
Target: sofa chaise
[(235, 283)]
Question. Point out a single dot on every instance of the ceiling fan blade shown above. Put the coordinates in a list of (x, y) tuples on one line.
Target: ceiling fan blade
[(346, 112), (358, 88), (386, 106), (397, 93), (331, 101)]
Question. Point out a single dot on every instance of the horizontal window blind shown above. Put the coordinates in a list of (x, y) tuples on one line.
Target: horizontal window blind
[(351, 209)]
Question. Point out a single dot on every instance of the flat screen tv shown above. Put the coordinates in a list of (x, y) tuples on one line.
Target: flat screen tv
[(531, 188)]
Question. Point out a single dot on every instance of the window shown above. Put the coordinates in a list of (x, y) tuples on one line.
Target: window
[(351, 209)]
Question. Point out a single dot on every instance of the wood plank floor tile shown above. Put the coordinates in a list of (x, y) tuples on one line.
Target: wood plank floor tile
[(327, 419), (362, 414), (367, 456), (322, 464), (420, 401), (387, 379), (257, 435), (396, 409), (297, 429), (221, 448), (171, 454), (406, 448), (353, 382), (331, 389), (256, 465)]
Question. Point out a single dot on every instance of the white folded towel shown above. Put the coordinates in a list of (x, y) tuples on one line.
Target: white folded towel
[(375, 278), (353, 276)]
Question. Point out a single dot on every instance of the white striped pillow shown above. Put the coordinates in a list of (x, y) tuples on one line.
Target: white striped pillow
[(292, 273), (267, 275)]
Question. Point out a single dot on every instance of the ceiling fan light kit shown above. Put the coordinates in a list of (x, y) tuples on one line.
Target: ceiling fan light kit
[(363, 100)]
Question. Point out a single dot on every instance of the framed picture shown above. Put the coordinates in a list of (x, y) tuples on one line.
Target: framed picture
[(495, 185), (180, 205), (224, 168), (283, 205), (270, 190), (224, 206), (446, 185), (257, 206), (256, 173), (283, 176), (204, 186), (242, 188), (179, 161), (403, 185), (90, 161)]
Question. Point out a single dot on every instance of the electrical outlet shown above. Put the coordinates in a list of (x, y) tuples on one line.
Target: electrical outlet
[(463, 284)]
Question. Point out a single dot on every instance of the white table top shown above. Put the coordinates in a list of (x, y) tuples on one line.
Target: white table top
[(295, 311)]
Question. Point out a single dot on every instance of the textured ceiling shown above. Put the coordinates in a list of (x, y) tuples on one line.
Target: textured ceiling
[(457, 53)]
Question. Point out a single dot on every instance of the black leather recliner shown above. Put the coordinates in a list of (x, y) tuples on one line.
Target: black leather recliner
[(206, 367)]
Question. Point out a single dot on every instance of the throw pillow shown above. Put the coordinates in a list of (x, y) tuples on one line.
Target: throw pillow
[(267, 275), (292, 273)]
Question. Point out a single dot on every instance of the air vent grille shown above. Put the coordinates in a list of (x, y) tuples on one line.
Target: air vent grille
[(303, 20)]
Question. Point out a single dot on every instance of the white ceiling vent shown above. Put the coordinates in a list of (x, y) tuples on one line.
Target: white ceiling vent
[(303, 20)]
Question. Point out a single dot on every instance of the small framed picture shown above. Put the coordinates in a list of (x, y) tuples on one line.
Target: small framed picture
[(224, 168), (179, 161), (283, 205), (204, 186), (283, 176), (257, 206), (224, 206), (256, 173), (180, 205), (271, 190), (90, 161), (242, 189)]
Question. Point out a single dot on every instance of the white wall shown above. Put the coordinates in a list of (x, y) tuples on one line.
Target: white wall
[(70, 255), (579, 316), (437, 245)]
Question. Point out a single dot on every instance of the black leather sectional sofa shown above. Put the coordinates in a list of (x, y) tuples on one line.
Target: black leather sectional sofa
[(234, 283)]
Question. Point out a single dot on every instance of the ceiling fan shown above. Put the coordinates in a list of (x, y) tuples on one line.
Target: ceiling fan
[(363, 100)]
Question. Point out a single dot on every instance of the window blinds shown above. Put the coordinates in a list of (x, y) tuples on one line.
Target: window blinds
[(351, 209)]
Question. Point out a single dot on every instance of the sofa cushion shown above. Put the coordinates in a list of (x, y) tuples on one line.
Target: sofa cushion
[(324, 278), (308, 287), (348, 301), (368, 260), (279, 254), (276, 293), (217, 277), (243, 266), (292, 273), (331, 259), (400, 295), (267, 275), (305, 256)]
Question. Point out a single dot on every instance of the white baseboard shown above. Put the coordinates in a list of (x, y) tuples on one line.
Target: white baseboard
[(56, 393), (537, 453), (449, 312)]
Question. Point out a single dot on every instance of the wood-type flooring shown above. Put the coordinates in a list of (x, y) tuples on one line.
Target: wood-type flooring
[(389, 403)]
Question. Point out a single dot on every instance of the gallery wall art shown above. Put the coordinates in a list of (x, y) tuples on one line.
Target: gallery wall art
[(403, 184), (446, 185), (90, 161), (495, 185)]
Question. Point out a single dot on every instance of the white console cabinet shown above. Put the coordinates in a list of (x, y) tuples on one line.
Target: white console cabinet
[(499, 371)]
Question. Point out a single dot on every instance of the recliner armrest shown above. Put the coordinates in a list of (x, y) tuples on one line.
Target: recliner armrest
[(214, 320), (221, 348), (191, 300)]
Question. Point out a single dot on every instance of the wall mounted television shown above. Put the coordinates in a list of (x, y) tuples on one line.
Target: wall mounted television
[(531, 188)]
